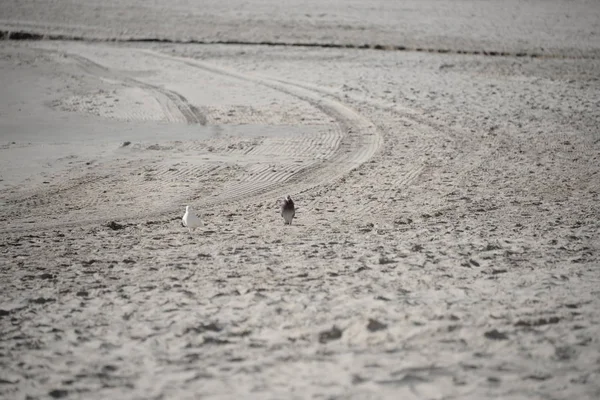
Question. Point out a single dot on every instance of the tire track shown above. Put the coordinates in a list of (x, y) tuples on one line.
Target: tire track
[(223, 145), (357, 141), (255, 172), (175, 106), (175, 173), (331, 142), (275, 115), (352, 141), (470, 154), (304, 147)]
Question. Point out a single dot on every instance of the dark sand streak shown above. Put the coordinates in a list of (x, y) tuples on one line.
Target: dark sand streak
[(25, 35)]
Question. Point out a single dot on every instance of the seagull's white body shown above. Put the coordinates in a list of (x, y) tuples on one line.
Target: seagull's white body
[(190, 220), (288, 210)]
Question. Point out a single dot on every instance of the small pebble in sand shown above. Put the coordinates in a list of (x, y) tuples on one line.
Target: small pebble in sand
[(374, 325), (190, 220)]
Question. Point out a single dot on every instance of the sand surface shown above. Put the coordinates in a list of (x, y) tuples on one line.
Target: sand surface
[(446, 239)]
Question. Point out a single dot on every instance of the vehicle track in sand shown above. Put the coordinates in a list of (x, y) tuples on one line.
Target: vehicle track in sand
[(439, 156), (359, 143), (175, 106), (346, 141)]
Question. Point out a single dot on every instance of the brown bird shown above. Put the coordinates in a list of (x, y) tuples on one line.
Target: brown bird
[(288, 210)]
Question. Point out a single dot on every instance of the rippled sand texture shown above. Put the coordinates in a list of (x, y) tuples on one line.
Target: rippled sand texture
[(445, 243)]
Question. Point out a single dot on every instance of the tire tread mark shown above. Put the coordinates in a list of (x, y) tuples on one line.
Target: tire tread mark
[(166, 98), (355, 141)]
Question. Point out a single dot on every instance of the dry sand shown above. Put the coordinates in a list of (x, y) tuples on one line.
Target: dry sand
[(445, 243)]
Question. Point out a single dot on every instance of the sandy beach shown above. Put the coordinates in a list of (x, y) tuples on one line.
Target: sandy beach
[(444, 159)]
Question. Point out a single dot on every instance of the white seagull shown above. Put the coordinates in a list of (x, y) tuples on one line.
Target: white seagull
[(190, 220)]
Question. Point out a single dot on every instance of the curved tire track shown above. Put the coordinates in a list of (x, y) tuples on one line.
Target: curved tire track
[(355, 141), (175, 106), (471, 155), (359, 143)]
